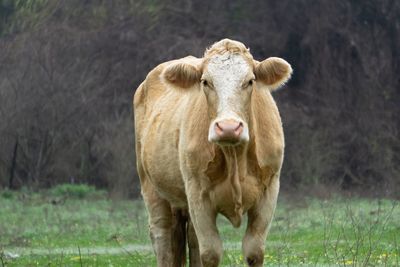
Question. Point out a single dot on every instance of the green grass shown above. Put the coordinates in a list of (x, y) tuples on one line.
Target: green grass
[(56, 229)]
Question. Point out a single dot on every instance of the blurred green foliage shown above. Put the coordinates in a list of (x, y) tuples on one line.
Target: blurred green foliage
[(17, 15), (21, 15), (7, 194), (75, 191)]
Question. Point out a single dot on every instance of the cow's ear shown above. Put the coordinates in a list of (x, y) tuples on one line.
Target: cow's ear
[(273, 72), (182, 75)]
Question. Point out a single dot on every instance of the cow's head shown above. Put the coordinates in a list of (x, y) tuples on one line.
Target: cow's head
[(227, 75)]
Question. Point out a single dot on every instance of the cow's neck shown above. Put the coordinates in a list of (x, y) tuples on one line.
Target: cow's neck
[(234, 158), (232, 165)]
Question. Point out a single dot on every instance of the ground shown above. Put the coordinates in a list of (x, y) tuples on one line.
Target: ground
[(58, 229)]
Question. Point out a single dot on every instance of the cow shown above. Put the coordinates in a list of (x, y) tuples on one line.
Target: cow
[(209, 141)]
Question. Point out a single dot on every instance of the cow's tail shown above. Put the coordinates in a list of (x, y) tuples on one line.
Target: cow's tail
[(179, 237)]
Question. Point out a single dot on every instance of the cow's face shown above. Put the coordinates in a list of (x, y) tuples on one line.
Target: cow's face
[(227, 79)]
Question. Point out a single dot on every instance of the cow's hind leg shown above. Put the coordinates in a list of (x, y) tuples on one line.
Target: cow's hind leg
[(259, 220), (179, 236), (160, 225)]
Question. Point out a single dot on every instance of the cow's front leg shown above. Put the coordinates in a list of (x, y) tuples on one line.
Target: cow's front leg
[(259, 221), (203, 218)]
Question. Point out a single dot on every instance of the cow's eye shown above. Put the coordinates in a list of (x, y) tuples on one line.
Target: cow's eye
[(249, 83), (207, 84)]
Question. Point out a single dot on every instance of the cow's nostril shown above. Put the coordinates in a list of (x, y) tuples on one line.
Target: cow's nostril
[(240, 125), (239, 129)]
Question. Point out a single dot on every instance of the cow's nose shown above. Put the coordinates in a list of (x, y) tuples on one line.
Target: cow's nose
[(228, 130)]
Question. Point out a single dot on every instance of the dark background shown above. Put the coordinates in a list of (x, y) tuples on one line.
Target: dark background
[(69, 69)]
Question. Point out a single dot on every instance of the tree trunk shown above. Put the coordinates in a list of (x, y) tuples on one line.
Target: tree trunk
[(13, 165)]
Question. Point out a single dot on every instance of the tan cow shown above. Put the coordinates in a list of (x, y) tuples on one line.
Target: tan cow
[(209, 140)]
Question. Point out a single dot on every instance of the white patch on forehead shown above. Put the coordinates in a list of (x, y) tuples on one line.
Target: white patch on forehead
[(227, 72), (227, 69)]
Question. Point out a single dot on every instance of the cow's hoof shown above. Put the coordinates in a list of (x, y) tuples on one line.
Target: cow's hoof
[(254, 261), (210, 258)]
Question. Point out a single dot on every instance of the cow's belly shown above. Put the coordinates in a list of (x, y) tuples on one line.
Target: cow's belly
[(160, 161)]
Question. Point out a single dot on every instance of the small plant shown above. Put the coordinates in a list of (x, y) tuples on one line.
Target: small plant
[(2, 258), (75, 191), (7, 194)]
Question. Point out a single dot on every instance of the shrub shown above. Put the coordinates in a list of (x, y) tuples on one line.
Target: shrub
[(7, 194), (75, 191)]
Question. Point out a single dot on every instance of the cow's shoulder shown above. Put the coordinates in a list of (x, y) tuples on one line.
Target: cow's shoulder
[(266, 133), (190, 60), (151, 87)]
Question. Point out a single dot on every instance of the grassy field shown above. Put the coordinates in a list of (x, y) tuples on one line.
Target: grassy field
[(82, 227)]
